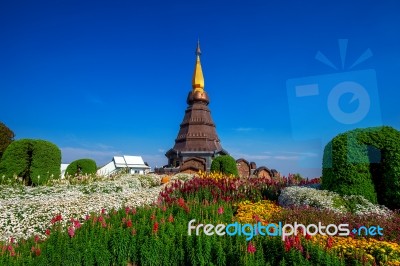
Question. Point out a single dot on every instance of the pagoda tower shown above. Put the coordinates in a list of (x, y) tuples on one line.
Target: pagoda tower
[(197, 141)]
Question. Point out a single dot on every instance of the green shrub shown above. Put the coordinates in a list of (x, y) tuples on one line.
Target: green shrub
[(81, 166), (224, 164), (364, 162), (35, 161), (6, 137)]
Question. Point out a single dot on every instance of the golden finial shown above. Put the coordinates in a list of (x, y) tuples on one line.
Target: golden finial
[(198, 79)]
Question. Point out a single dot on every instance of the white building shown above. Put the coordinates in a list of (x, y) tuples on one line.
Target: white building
[(63, 169), (135, 164)]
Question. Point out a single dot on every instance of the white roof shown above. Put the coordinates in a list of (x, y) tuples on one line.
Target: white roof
[(128, 161)]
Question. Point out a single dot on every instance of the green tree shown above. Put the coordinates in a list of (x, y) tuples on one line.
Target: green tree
[(364, 162), (81, 166), (224, 164), (6, 137), (36, 161)]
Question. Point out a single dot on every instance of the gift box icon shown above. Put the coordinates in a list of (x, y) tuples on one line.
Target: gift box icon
[(325, 105)]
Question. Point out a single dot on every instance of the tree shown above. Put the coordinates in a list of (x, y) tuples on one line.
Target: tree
[(224, 164), (364, 162), (6, 137), (81, 167), (35, 161)]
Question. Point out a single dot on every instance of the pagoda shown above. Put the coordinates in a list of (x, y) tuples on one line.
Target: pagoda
[(197, 141)]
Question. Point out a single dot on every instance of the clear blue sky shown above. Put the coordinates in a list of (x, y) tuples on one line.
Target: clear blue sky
[(108, 78)]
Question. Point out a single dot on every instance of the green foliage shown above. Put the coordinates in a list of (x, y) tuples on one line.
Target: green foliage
[(6, 137), (35, 161), (364, 162), (81, 167), (128, 237), (224, 164)]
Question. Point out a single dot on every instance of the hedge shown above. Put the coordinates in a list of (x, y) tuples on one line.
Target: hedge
[(364, 162), (81, 166), (35, 161), (224, 164)]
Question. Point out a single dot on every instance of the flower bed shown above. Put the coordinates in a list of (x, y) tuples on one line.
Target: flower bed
[(26, 211), (89, 223)]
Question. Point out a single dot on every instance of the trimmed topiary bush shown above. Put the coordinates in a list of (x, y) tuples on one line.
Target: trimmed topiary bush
[(81, 166), (224, 164), (364, 162), (35, 161)]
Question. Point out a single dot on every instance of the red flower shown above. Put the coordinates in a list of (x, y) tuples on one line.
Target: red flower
[(38, 251), (133, 211), (220, 210), (256, 218), (152, 217), (288, 245), (47, 232), (308, 237), (329, 242), (129, 223), (103, 211), (186, 209), (56, 218), (37, 238), (181, 202), (171, 218), (155, 227), (251, 248), (127, 210)]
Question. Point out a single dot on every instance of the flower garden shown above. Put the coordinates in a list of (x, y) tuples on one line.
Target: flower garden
[(137, 220)]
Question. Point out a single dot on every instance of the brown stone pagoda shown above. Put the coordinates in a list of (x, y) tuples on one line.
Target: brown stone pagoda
[(197, 141)]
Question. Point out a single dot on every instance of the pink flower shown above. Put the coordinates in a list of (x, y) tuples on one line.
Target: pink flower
[(37, 238), (71, 231), (77, 224), (251, 248), (127, 210), (220, 210), (133, 211), (87, 217), (103, 211)]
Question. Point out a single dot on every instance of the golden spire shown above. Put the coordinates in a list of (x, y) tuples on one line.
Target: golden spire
[(198, 79)]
